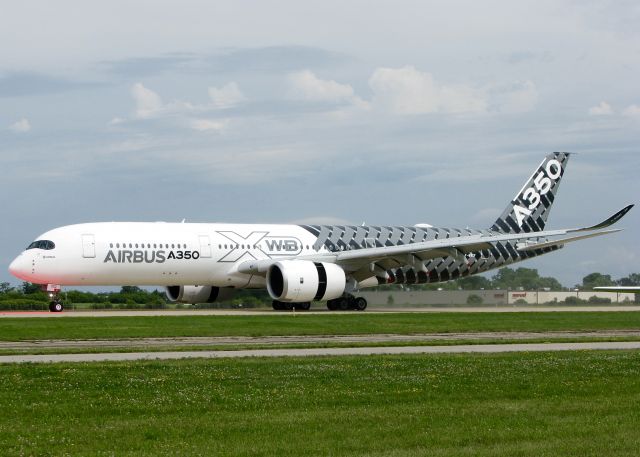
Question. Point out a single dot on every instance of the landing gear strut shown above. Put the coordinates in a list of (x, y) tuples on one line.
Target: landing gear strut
[(347, 302), (55, 306)]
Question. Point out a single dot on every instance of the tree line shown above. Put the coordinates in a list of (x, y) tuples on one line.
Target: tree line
[(31, 296), (525, 279)]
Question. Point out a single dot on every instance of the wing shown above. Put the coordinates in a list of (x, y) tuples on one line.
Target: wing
[(414, 253)]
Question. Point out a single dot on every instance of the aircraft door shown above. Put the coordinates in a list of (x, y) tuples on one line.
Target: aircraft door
[(88, 246), (205, 246)]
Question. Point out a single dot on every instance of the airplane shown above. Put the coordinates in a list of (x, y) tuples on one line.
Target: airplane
[(619, 289), (297, 264)]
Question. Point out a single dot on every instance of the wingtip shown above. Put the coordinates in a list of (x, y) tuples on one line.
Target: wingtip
[(625, 210)]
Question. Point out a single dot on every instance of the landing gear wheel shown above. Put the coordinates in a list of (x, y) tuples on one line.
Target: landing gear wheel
[(277, 305), (331, 305), (360, 304), (343, 304), (56, 307), (303, 306)]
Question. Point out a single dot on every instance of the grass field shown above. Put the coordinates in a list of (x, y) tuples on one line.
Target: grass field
[(17, 329), (542, 404)]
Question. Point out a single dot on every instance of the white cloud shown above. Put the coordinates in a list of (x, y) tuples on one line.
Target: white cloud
[(409, 91), (226, 96), (208, 125), (22, 126), (603, 109), (148, 103), (632, 110), (305, 85), (520, 98)]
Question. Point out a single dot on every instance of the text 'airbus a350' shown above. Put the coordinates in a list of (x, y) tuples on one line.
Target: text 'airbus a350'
[(297, 264)]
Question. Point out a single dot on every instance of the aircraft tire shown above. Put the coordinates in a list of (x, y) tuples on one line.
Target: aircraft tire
[(303, 306), (56, 307), (360, 304), (331, 305), (343, 304), (277, 305)]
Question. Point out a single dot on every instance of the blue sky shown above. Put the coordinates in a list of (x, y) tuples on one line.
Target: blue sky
[(278, 111)]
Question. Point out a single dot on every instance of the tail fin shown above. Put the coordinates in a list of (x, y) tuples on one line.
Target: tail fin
[(529, 209)]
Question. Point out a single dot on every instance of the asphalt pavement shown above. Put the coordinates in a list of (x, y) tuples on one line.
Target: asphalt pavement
[(317, 352)]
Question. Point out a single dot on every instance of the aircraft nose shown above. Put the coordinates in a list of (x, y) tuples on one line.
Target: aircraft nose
[(20, 267)]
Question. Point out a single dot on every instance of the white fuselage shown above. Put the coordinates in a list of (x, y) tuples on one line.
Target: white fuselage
[(159, 253)]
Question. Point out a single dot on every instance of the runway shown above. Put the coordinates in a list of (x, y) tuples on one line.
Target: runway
[(316, 352), (269, 312), (142, 343)]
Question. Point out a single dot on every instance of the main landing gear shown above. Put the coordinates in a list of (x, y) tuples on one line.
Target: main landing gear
[(344, 303), (347, 302), (55, 306), (284, 306)]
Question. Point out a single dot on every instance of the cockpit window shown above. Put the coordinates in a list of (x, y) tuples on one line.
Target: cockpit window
[(42, 244)]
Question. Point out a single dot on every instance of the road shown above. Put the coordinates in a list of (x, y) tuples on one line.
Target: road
[(268, 312), (142, 343), (309, 352)]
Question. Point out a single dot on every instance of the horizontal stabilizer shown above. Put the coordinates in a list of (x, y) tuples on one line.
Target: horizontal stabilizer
[(562, 241)]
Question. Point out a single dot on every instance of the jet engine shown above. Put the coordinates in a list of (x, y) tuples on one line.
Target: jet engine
[(198, 294), (304, 281)]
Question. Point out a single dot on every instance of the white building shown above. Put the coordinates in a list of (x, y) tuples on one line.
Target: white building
[(488, 297)]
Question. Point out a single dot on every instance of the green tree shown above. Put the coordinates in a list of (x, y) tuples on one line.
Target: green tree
[(474, 300), (505, 278), (5, 287), (130, 290), (30, 288), (474, 283), (597, 280), (527, 278), (549, 283), (632, 280)]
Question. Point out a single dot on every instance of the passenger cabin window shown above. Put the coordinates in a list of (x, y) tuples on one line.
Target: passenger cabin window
[(42, 244)]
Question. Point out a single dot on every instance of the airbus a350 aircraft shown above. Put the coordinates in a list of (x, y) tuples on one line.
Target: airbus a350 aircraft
[(297, 263)]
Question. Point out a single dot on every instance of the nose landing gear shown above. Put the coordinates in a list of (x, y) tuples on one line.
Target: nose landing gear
[(55, 305)]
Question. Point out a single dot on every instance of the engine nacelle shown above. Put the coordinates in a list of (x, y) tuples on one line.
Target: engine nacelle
[(198, 294), (304, 281)]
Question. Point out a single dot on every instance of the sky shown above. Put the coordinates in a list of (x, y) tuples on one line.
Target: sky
[(384, 112)]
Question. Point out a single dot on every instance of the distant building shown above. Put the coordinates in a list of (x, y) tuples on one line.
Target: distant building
[(492, 297)]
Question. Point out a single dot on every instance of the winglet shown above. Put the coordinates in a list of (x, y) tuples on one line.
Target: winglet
[(610, 221)]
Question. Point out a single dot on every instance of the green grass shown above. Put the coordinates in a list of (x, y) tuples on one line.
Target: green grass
[(17, 329), (538, 404)]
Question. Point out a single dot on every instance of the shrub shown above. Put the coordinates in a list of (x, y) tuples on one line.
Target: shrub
[(474, 299)]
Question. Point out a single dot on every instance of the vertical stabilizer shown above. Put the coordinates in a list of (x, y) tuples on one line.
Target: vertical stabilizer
[(529, 209)]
